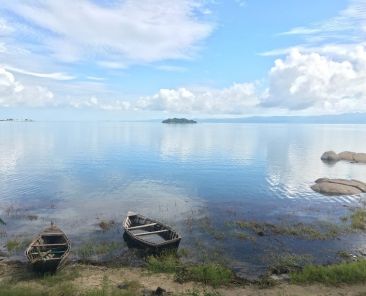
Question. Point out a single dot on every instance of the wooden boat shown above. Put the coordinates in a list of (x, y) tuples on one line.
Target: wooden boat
[(148, 233), (49, 251)]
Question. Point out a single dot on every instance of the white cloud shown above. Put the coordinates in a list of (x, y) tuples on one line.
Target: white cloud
[(95, 103), (237, 99), (95, 78), (5, 28), (55, 76), (13, 93), (348, 26), (118, 34), (320, 82)]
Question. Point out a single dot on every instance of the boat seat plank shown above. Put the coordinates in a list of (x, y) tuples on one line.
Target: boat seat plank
[(152, 232), (52, 252), (44, 260), (50, 245), (141, 226)]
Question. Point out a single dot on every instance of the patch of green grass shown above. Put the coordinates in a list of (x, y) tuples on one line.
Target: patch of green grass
[(132, 289), (62, 285), (358, 219), (166, 263), (50, 280), (210, 274), (343, 273), (10, 290), (198, 293)]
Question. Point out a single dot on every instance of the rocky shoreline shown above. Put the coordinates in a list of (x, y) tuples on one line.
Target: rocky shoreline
[(331, 156)]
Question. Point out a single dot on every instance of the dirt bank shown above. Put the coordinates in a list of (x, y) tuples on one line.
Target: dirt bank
[(88, 277)]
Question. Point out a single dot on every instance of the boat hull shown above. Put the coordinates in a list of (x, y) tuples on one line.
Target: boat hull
[(49, 251), (138, 227)]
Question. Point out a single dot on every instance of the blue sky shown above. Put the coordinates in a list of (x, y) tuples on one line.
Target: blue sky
[(145, 59)]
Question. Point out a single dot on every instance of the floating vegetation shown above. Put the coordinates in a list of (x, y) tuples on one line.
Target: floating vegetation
[(319, 231)]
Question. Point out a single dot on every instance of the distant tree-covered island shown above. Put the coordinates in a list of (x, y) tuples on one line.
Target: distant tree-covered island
[(21, 120), (179, 120)]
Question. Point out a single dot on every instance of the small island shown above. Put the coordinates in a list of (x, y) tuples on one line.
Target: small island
[(179, 120), (17, 120)]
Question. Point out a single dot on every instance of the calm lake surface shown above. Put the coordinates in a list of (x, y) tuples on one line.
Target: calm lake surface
[(78, 174)]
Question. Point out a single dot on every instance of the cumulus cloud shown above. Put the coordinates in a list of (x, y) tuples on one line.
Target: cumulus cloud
[(117, 34), (237, 99), (13, 93), (95, 103), (310, 80)]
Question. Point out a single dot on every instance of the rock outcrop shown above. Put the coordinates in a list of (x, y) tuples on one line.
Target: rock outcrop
[(331, 156), (339, 186)]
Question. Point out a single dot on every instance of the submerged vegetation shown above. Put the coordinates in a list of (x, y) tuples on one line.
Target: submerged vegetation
[(89, 249), (16, 245), (106, 225), (358, 219)]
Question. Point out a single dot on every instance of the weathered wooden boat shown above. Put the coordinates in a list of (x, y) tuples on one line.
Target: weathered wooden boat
[(49, 251), (144, 232)]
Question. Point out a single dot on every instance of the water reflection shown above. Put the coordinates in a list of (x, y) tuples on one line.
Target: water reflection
[(80, 173)]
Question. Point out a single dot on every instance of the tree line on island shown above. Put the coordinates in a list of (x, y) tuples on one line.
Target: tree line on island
[(179, 120)]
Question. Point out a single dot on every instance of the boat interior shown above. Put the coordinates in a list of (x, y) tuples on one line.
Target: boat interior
[(48, 247), (149, 230)]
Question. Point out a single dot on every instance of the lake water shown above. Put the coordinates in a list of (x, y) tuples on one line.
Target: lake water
[(78, 174)]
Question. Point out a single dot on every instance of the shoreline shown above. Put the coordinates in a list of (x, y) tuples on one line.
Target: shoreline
[(82, 279)]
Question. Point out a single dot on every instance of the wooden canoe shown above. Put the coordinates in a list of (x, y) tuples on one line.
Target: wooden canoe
[(148, 233), (49, 250)]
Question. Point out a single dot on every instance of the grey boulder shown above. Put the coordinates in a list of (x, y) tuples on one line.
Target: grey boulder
[(338, 186), (331, 156)]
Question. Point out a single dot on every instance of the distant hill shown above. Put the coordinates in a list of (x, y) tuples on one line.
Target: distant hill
[(351, 118), (178, 120)]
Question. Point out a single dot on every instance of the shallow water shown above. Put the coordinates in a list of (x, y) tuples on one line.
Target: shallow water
[(78, 174)]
